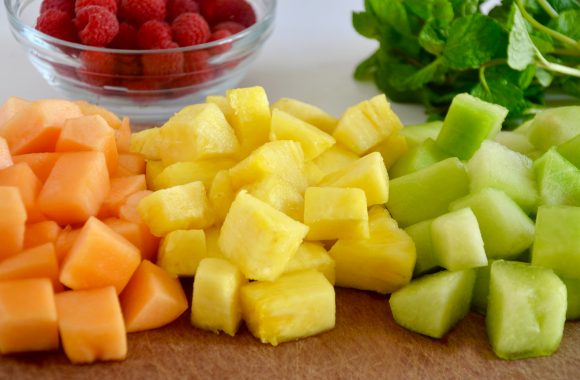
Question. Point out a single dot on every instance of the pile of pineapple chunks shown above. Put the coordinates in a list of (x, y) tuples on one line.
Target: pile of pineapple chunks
[(270, 205)]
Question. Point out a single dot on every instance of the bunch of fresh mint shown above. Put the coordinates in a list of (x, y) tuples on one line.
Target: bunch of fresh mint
[(431, 50)]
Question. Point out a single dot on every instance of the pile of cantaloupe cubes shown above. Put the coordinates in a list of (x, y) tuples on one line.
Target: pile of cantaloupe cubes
[(267, 207)]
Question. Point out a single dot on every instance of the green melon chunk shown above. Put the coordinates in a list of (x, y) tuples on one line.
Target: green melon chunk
[(506, 230), (557, 240), (516, 142), (570, 150), (427, 193), (573, 292), (554, 126), (417, 133), (421, 235), (481, 288), (524, 128), (558, 179), (468, 123), (432, 304), (526, 310), (496, 166), (418, 157)]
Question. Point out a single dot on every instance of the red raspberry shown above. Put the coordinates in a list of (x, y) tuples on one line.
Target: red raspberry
[(129, 65), (195, 61), (98, 68), (220, 35), (140, 11), (97, 26), (177, 7), (216, 11), (190, 29), (154, 34), (231, 26), (67, 6), (163, 64), (126, 38), (111, 5), (58, 24)]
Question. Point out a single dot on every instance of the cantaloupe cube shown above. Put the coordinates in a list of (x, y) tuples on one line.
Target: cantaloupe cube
[(128, 210), (22, 177), (99, 257), (90, 109), (138, 234), (91, 325), (312, 255), (12, 222), (28, 321), (153, 298), (221, 195), (181, 251), (180, 207), (39, 233), (64, 242), (130, 164), (9, 108), (280, 194), (89, 133), (121, 188), (40, 163), (181, 173), (308, 113), (37, 262), (123, 136), (75, 188), (5, 155)]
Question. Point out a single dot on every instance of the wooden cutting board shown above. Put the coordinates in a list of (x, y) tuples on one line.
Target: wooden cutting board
[(365, 344)]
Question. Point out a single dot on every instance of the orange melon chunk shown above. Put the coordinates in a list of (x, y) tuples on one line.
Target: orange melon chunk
[(153, 298), (138, 234), (12, 222), (22, 177), (123, 136), (37, 262), (91, 325), (64, 242), (89, 133), (121, 189), (75, 188), (28, 317), (89, 109), (130, 164), (128, 211), (5, 155), (99, 257), (40, 163), (39, 233), (9, 108)]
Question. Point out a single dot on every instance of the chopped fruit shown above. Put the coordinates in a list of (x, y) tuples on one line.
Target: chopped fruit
[(67, 6), (231, 26), (12, 223), (126, 37), (97, 26), (58, 24), (110, 5), (154, 34), (177, 7), (216, 11), (163, 64), (98, 67), (140, 11), (190, 29)]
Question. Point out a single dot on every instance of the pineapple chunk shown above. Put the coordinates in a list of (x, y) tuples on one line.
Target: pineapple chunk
[(221, 195), (313, 173), (367, 173), (259, 239), (223, 104), (382, 263), (215, 303), (287, 127), (181, 251), (197, 132), (181, 173), (311, 255), (334, 159), (392, 148), (335, 213), (152, 169), (279, 194), (146, 142), (296, 305), (180, 207), (308, 113), (281, 157), (212, 246)]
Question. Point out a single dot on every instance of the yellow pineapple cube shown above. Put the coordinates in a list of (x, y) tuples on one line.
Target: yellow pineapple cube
[(367, 173), (152, 169), (281, 157), (280, 194), (212, 246), (383, 114), (181, 251), (223, 104), (334, 159), (146, 142), (197, 132), (312, 255), (287, 127), (392, 148), (259, 239), (334, 213), (250, 117), (307, 112), (215, 303), (296, 305), (382, 263), (221, 195), (184, 172), (313, 173), (180, 207)]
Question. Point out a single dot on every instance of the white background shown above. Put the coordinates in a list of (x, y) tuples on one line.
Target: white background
[(310, 56)]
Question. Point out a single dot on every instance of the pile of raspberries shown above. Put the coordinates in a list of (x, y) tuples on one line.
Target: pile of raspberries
[(145, 25)]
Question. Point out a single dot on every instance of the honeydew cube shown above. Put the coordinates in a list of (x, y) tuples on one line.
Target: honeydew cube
[(367, 173), (334, 159), (467, 124), (215, 303), (426, 260), (146, 142), (296, 305), (287, 127), (417, 133), (221, 195), (556, 244), (196, 132), (335, 213), (506, 230), (181, 251), (427, 193), (570, 150), (382, 263), (280, 194), (419, 157), (554, 126), (308, 113), (558, 179), (433, 304), (494, 165), (481, 288), (312, 255), (181, 173), (526, 310), (573, 298), (392, 148), (516, 142), (259, 239), (180, 207), (457, 240)]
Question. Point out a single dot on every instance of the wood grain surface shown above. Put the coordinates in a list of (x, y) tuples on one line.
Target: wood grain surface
[(365, 344)]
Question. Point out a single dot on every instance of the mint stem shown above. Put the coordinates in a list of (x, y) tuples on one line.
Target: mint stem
[(548, 8)]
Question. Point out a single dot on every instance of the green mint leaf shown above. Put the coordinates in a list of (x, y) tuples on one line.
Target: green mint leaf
[(521, 50), (522, 79), (504, 93), (571, 86), (544, 77), (415, 79), (432, 39), (542, 41), (365, 69), (365, 24), (562, 5), (394, 13), (465, 7), (568, 23), (440, 11), (474, 40)]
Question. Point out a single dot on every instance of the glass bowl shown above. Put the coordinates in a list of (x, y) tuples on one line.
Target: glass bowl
[(118, 82)]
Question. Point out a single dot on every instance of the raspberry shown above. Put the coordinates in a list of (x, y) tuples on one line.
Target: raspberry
[(129, 65), (67, 6), (231, 26), (177, 7), (163, 64), (195, 61), (126, 38), (190, 29), (111, 5), (98, 68), (216, 11), (220, 35), (154, 34), (97, 26), (140, 11), (58, 24)]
